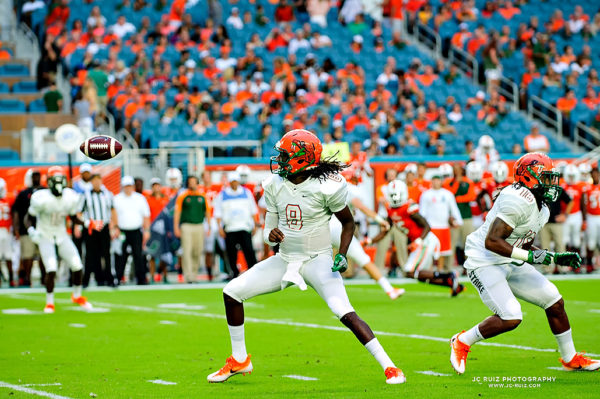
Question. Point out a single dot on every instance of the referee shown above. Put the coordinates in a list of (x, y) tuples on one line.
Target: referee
[(99, 219)]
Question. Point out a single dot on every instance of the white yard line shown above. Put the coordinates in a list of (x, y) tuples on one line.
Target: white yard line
[(300, 377), (434, 373), (54, 384), (30, 391), (556, 368), (77, 325), (162, 382), (428, 314)]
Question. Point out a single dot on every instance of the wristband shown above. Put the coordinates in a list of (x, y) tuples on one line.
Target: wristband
[(519, 254)]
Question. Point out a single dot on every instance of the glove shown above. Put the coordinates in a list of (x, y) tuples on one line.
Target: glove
[(539, 257), (340, 264), (34, 235), (571, 259)]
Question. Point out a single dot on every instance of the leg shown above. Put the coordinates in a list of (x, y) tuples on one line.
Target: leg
[(138, 257), (187, 245), (48, 253), (400, 242), (247, 248), (382, 248), (105, 254), (231, 249)]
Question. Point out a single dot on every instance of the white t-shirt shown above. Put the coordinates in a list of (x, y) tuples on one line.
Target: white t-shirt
[(51, 211), (235, 21), (303, 211), (31, 6), (296, 44), (437, 206), (131, 210), (518, 208), (224, 63), (236, 209), (122, 30)]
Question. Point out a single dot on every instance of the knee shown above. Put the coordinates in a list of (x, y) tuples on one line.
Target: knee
[(230, 296), (340, 307), (510, 325), (557, 308)]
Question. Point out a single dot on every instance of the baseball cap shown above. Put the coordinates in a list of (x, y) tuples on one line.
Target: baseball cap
[(85, 167), (190, 64), (154, 180), (337, 123), (233, 176), (127, 181)]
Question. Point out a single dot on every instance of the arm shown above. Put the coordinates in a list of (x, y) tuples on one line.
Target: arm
[(15, 224), (358, 204), (469, 196), (420, 220), (496, 242), (455, 217), (177, 216), (114, 224), (340, 263)]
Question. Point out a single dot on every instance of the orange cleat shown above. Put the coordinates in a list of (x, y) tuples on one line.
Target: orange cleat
[(458, 353), (396, 293), (231, 368), (82, 301), (49, 308), (180, 278), (581, 363), (394, 375)]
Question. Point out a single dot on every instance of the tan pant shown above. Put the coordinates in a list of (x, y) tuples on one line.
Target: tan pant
[(460, 233), (29, 249), (552, 232), (192, 243), (399, 239)]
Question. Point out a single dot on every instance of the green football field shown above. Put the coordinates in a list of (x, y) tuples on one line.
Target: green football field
[(160, 343)]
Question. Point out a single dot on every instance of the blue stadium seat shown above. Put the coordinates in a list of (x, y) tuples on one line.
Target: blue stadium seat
[(25, 87), (14, 70), (37, 105), (4, 88), (12, 106), (7, 154)]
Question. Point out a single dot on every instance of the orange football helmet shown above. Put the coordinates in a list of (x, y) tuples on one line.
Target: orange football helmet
[(536, 171), (298, 150)]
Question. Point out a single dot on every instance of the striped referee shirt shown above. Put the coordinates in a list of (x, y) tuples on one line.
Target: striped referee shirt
[(97, 205)]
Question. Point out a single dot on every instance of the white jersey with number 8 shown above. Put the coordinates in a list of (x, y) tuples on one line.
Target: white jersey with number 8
[(518, 208), (303, 212)]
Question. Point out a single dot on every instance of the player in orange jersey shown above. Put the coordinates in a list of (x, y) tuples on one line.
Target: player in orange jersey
[(6, 203), (592, 216), (572, 226), (157, 200)]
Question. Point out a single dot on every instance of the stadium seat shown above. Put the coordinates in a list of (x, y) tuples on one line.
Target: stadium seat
[(25, 87), (14, 70), (37, 105), (12, 106)]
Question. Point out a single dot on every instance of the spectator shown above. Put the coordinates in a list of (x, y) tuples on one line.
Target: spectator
[(84, 183), (234, 19), (48, 63), (360, 118), (350, 10), (53, 99), (99, 217), (536, 142), (591, 100), (517, 149), (236, 213), (358, 25), (28, 248), (577, 20), (440, 148), (122, 28), (567, 103), (157, 200), (443, 126), (284, 12), (28, 8), (133, 222), (215, 11), (100, 79), (191, 213), (456, 114), (260, 19), (96, 19), (318, 10), (298, 42), (58, 13), (319, 40)]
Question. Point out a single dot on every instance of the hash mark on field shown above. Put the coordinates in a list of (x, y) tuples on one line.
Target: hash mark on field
[(30, 391), (162, 382), (428, 314), (77, 325), (92, 310), (42, 385), (429, 372), (300, 377), (168, 322), (20, 311), (556, 368), (594, 310), (181, 306), (298, 324)]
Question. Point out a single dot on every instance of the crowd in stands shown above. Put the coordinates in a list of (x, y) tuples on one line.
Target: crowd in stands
[(186, 70)]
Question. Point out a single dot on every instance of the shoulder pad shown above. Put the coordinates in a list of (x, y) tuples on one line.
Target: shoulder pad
[(521, 194), (271, 180), (332, 184)]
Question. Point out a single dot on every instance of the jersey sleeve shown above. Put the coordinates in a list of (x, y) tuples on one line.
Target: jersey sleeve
[(36, 205), (511, 210), (412, 208), (336, 193)]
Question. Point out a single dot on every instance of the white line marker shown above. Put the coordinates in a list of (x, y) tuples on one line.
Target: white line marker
[(428, 314), (92, 310), (181, 306), (77, 325), (162, 382), (300, 377), (594, 310), (307, 325), (20, 311), (434, 373), (30, 391), (168, 322), (54, 384), (556, 368)]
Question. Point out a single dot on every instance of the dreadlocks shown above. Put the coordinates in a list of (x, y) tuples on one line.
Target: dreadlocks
[(326, 168)]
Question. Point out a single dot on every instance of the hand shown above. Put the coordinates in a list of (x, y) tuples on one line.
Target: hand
[(34, 234), (221, 232), (571, 259), (340, 263), (114, 233), (145, 238), (17, 235), (77, 230), (276, 235), (416, 244), (561, 218), (177, 231), (539, 257)]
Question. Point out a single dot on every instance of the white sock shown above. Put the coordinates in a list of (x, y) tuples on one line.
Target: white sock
[(238, 343), (385, 284), (76, 291), (375, 349), (49, 298), (566, 347), (471, 336)]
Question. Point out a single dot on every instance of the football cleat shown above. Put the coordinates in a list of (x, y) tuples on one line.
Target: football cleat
[(231, 368), (458, 353), (581, 363), (459, 288), (396, 292), (394, 375), (82, 301), (49, 308)]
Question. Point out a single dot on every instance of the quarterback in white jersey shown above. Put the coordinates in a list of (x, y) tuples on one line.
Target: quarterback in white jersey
[(500, 264), (356, 252), (300, 200), (50, 207)]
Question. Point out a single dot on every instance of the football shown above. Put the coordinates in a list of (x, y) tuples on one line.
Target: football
[(101, 148)]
